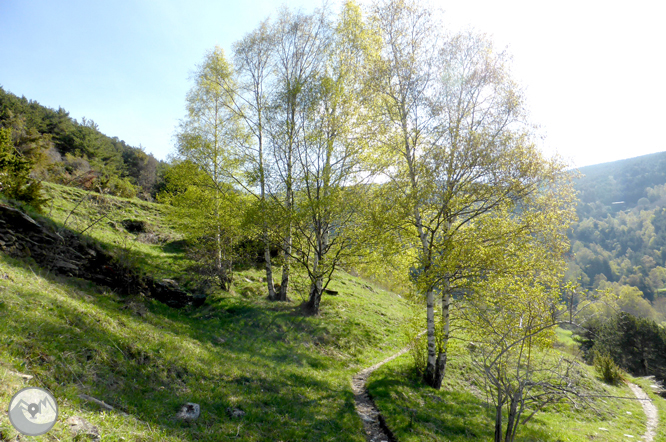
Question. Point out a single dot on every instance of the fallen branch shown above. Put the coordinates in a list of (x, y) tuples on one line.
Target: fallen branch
[(102, 404)]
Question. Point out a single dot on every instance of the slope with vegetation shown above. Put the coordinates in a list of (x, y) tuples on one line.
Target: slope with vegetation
[(278, 164), (287, 373), (64, 150), (461, 411), (619, 242)]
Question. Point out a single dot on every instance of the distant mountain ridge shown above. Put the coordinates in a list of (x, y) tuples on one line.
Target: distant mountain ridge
[(623, 180), (619, 241)]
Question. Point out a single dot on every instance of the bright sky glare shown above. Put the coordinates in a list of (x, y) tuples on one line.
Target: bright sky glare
[(593, 71)]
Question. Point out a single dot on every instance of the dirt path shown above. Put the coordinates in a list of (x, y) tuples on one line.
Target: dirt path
[(373, 422), (649, 409)]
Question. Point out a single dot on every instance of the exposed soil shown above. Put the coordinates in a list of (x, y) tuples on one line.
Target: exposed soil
[(374, 424), (650, 411)]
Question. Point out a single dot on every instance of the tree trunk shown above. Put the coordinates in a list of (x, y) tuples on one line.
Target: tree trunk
[(498, 416), (430, 374), (316, 290), (269, 268), (267, 244), (286, 255), (446, 328), (317, 281), (511, 418)]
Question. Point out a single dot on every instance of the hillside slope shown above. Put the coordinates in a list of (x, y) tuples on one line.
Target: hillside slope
[(289, 374)]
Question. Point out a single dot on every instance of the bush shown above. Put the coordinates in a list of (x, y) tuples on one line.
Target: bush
[(15, 180), (121, 187), (606, 367)]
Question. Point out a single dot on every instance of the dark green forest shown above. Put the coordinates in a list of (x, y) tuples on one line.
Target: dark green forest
[(65, 151), (619, 241)]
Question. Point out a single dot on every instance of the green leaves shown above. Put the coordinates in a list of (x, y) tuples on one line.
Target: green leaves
[(15, 181)]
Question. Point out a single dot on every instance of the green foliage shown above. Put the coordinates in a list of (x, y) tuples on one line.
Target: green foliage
[(65, 151), (210, 216), (121, 187), (636, 345), (607, 369), (624, 180), (15, 180), (623, 243)]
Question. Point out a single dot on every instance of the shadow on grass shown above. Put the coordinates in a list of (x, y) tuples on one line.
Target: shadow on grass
[(245, 356), (415, 411)]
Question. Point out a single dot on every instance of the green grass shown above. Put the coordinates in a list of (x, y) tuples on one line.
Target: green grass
[(288, 372), (101, 218), (461, 412)]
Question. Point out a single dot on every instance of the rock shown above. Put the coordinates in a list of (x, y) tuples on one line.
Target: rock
[(174, 296), (25, 377), (67, 253), (189, 412), (235, 412), (171, 283), (81, 427), (366, 418), (65, 265)]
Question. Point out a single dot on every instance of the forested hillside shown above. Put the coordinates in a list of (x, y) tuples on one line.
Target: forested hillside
[(619, 242), (77, 153)]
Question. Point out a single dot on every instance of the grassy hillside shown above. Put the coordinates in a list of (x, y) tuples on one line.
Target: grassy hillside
[(460, 412), (290, 374)]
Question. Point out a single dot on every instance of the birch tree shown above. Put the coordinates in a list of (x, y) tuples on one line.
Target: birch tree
[(249, 100), (204, 139), (299, 41), (457, 151), (333, 188), (511, 323)]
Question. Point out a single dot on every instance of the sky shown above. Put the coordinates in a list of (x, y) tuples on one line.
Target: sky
[(593, 71)]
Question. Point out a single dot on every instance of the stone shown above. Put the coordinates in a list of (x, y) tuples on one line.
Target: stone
[(235, 412), (65, 265), (189, 412), (148, 238), (366, 418), (81, 427)]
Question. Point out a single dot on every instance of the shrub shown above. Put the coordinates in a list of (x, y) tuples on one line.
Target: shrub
[(121, 187), (606, 367), (15, 180)]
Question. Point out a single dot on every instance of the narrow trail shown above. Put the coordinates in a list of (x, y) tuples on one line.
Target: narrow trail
[(373, 422), (650, 411)]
